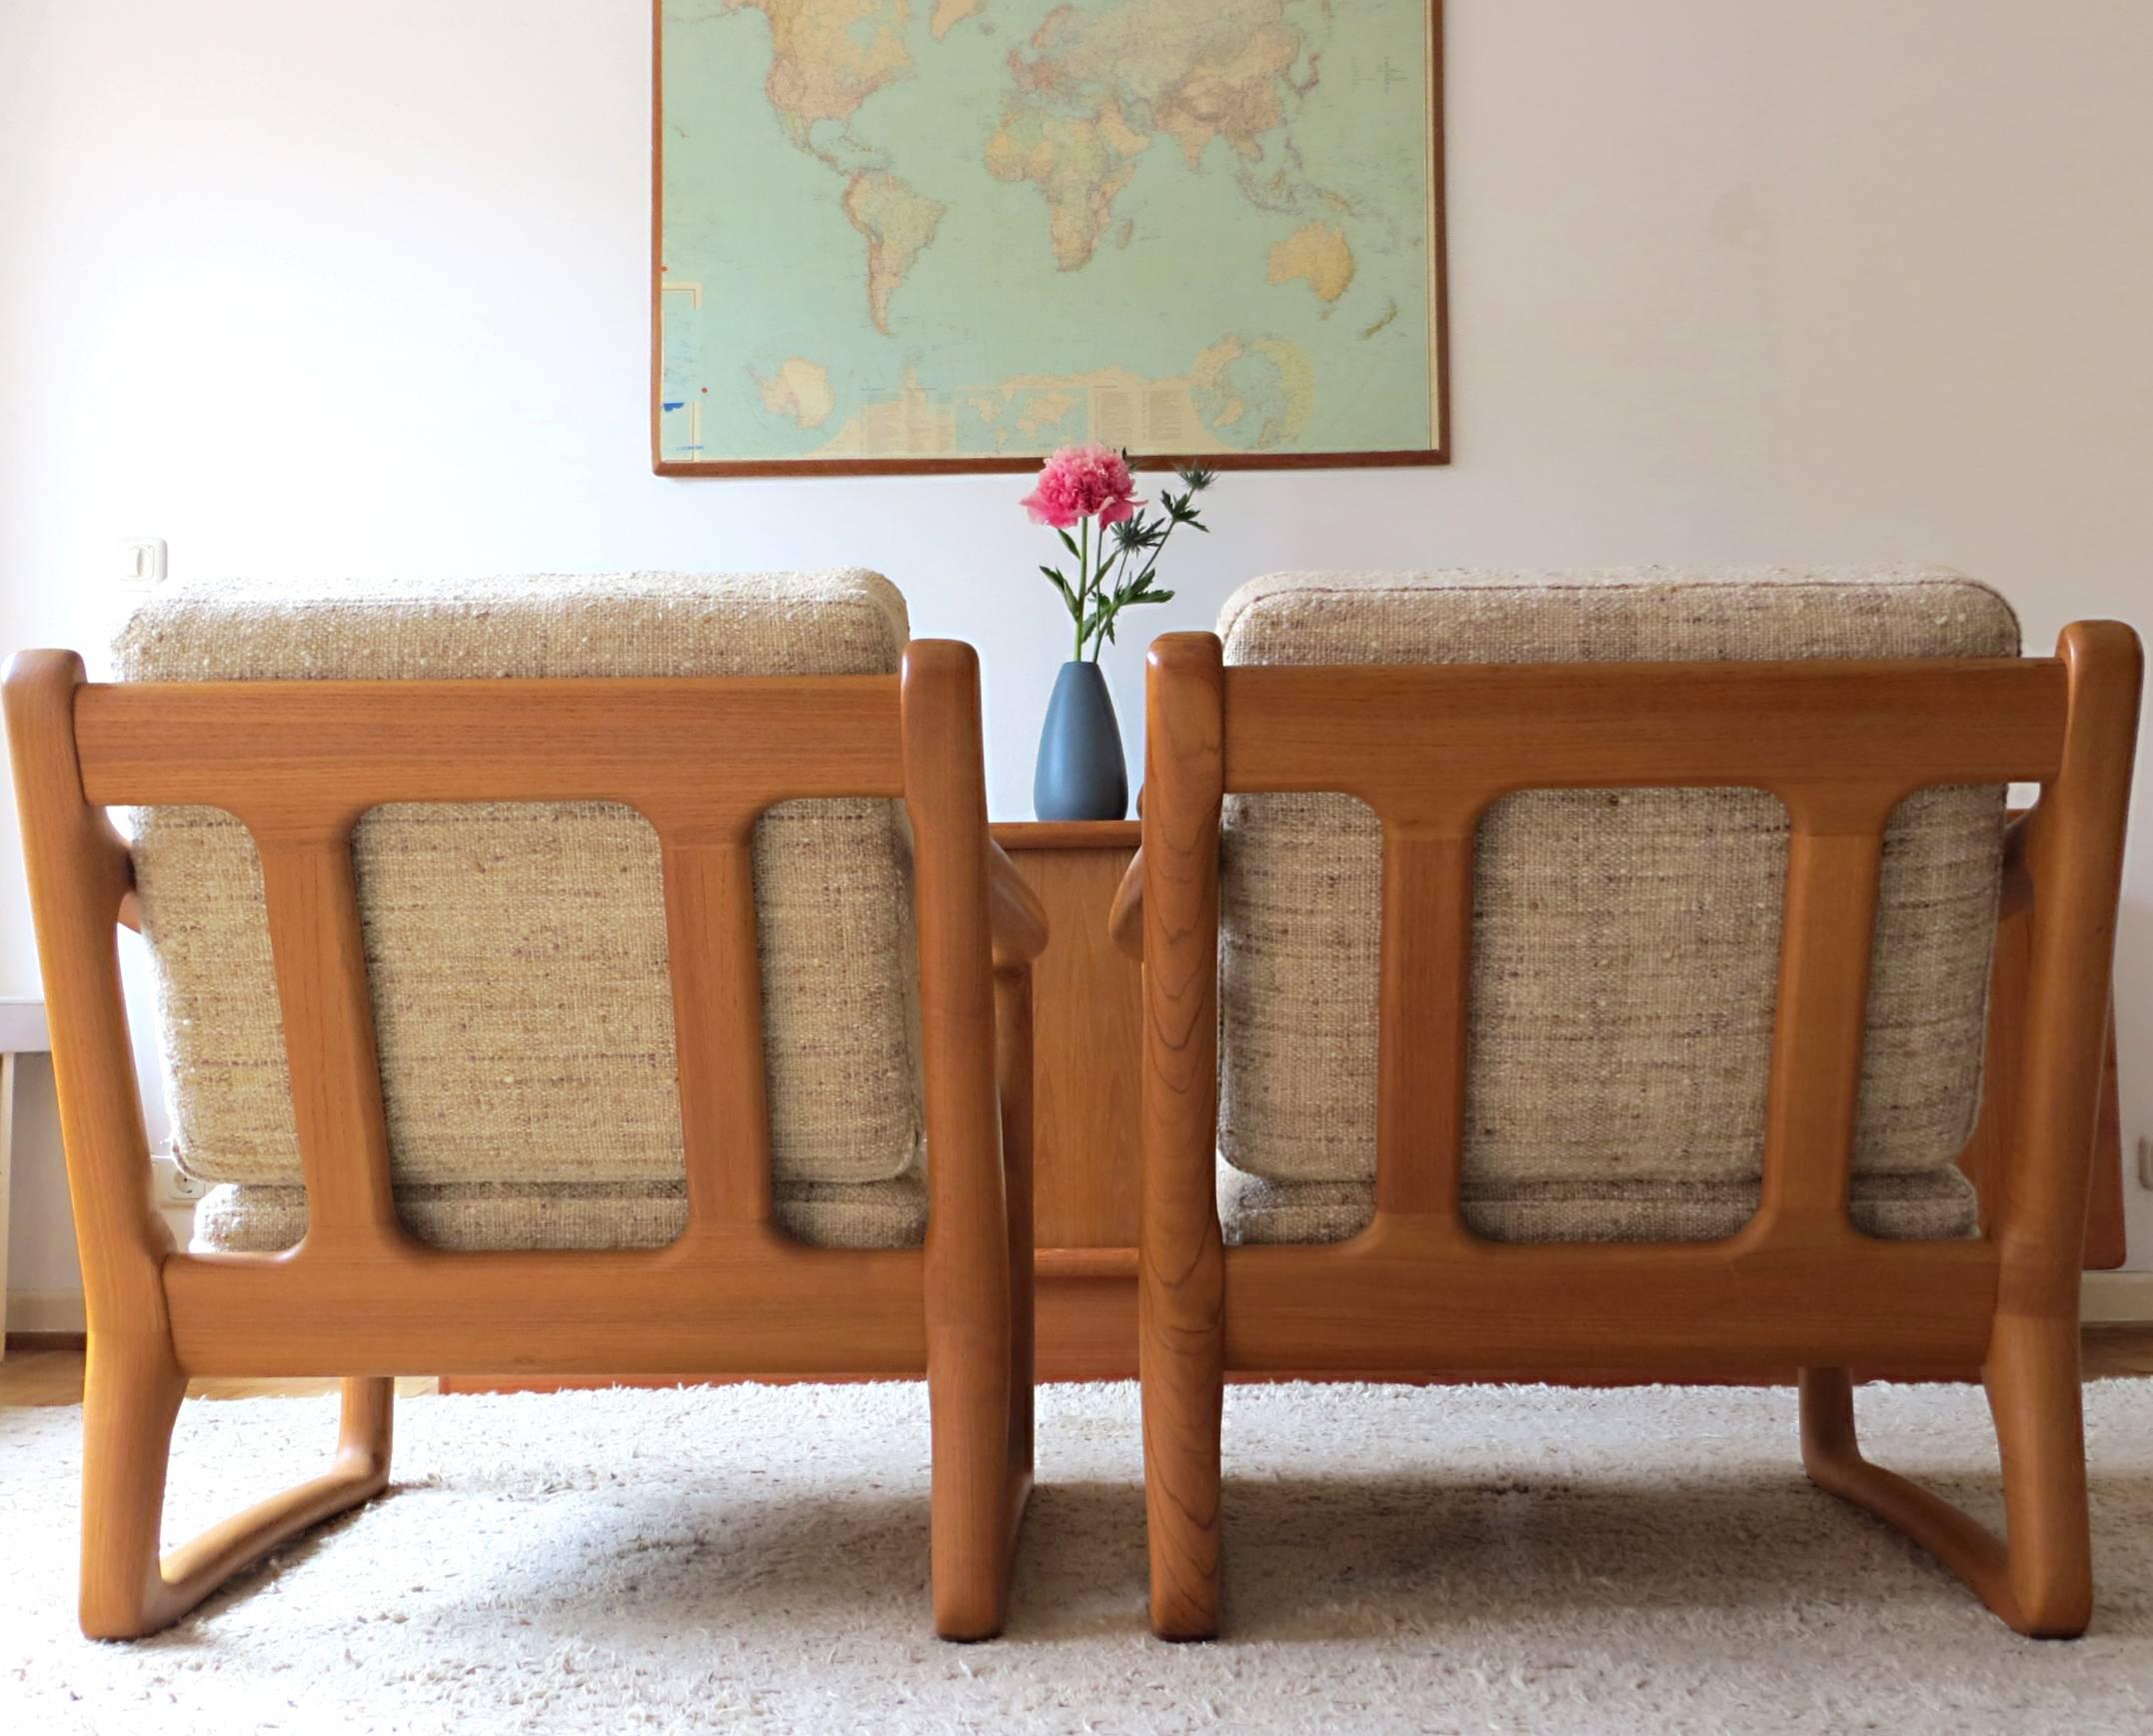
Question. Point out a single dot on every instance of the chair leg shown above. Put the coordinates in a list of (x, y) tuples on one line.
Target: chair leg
[(2040, 1581), (969, 1404), (1012, 1022), (1184, 1394), (131, 1399), (2034, 1393)]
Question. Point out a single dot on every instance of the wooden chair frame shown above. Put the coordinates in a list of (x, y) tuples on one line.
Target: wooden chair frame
[(1430, 748), (299, 763)]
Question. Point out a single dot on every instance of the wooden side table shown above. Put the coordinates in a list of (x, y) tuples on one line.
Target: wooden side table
[(1086, 1027)]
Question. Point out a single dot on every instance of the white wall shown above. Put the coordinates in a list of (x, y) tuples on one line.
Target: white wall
[(317, 288)]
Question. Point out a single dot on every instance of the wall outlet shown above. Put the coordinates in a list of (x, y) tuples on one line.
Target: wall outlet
[(2145, 1162), (168, 1187), (141, 565)]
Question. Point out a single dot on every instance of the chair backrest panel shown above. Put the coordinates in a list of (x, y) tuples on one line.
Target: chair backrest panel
[(615, 783), (1457, 736), (1492, 876), (312, 756)]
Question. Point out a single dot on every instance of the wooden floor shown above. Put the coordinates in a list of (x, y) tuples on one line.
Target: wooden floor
[(47, 1372), (42, 1372)]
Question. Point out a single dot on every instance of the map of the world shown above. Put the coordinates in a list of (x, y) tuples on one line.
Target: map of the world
[(974, 230)]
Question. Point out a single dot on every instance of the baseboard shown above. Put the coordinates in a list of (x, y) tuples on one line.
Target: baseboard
[(46, 1314), (2116, 1299)]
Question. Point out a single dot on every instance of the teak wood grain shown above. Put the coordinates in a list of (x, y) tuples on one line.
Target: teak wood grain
[(1430, 748), (1987, 1156), (1086, 1014), (1081, 1008), (1983, 1161), (358, 1298)]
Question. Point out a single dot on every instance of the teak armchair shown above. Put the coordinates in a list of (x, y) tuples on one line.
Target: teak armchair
[(361, 1297), (1415, 1293)]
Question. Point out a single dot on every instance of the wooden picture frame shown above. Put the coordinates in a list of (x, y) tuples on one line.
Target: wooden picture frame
[(667, 460)]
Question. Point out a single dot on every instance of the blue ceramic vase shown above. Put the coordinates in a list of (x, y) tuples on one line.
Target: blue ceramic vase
[(1081, 775)]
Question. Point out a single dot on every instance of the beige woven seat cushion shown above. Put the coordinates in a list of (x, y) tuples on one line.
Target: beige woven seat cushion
[(1625, 942), (517, 952), (582, 1216)]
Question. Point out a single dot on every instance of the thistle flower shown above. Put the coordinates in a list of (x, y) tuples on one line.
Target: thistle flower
[(1080, 483)]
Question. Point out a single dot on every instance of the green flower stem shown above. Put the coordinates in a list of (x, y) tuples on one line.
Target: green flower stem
[(1084, 580), (1108, 564), (1099, 639)]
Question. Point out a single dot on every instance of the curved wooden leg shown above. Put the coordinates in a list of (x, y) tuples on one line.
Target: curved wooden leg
[(131, 1399), (131, 1396), (973, 1205), (1012, 1023), (1183, 1392), (968, 1401), (2032, 1377), (1181, 1274), (980, 1354), (2041, 1581)]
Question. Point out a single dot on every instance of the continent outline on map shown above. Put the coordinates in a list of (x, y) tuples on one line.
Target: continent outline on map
[(1075, 109)]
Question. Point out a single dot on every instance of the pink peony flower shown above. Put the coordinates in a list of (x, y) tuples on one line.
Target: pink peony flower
[(1080, 481)]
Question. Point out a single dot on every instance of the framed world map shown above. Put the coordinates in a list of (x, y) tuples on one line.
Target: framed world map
[(953, 234)]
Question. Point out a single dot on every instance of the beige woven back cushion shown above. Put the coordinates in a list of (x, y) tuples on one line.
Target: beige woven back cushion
[(517, 953), (1625, 942)]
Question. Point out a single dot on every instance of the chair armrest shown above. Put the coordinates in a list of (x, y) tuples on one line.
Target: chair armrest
[(1015, 914), (1125, 923)]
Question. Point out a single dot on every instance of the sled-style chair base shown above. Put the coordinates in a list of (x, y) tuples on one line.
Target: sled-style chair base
[(358, 1298), (1430, 748)]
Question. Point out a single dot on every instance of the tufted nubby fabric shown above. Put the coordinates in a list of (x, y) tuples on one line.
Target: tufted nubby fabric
[(517, 953), (582, 1216), (1625, 943)]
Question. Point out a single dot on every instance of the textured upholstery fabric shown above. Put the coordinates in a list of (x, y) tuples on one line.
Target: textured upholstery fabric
[(517, 953), (1625, 942), (573, 1214), (1926, 1206)]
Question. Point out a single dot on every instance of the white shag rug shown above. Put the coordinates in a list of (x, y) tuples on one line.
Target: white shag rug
[(1398, 1559)]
